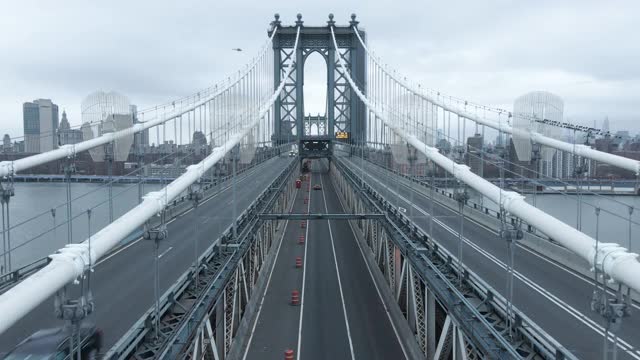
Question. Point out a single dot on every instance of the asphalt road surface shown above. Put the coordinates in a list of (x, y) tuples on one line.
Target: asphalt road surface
[(341, 315)]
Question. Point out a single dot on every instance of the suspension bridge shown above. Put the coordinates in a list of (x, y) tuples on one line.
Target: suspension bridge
[(348, 235)]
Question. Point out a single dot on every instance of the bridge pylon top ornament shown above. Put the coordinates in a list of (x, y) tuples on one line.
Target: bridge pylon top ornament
[(345, 112)]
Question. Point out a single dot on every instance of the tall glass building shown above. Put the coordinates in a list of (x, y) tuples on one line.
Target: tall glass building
[(40, 125)]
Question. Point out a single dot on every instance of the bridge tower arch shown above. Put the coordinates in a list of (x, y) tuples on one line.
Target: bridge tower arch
[(346, 114)]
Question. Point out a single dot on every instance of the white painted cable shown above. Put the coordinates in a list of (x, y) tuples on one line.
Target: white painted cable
[(579, 150), (72, 261), (613, 259), (66, 151)]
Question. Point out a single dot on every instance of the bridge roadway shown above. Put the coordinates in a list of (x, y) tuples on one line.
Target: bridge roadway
[(123, 282), (341, 315), (553, 296)]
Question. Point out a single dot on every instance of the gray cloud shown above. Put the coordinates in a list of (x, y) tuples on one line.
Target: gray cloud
[(489, 51)]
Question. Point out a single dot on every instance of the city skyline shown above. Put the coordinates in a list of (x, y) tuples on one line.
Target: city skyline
[(603, 124), (38, 113), (491, 65)]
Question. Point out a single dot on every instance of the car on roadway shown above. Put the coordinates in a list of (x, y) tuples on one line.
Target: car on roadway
[(53, 344), (317, 187)]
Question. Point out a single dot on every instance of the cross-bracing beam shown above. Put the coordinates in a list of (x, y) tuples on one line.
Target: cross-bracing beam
[(610, 258), (70, 262), (321, 216), (575, 149)]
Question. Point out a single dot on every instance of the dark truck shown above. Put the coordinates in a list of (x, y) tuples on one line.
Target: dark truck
[(306, 166), (53, 344)]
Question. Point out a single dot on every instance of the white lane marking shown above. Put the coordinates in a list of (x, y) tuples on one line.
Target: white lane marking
[(118, 251), (523, 247), (335, 261), (304, 269), (539, 289), (266, 288), (384, 304), (129, 245), (220, 192), (165, 252)]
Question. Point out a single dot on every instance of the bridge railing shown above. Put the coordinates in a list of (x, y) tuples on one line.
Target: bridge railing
[(504, 127), (161, 115)]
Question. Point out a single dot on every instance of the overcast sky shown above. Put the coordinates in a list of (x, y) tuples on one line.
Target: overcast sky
[(587, 52)]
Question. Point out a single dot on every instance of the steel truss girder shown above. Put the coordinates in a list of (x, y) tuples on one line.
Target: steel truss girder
[(201, 321), (319, 216), (476, 312)]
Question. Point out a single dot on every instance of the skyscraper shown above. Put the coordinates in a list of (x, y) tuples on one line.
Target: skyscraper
[(6, 143), (474, 152), (66, 134), (199, 143), (40, 125), (141, 139)]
